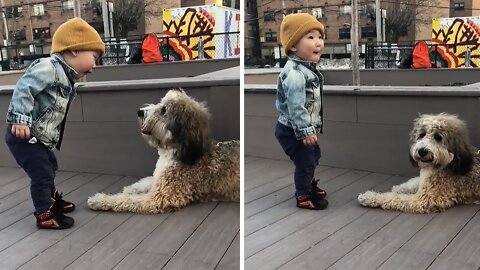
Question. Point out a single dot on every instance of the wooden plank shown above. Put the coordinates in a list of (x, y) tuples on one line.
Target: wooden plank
[(341, 240), (23, 194), (288, 192), (205, 248), (268, 188), (462, 252), (371, 253), (115, 246), (266, 171), (200, 248), (248, 159), (231, 259), (10, 174), (28, 247), (61, 253), (273, 233), (277, 212), (422, 249), (157, 249), (25, 208)]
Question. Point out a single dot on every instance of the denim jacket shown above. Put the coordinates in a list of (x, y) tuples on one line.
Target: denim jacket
[(299, 97), (41, 99)]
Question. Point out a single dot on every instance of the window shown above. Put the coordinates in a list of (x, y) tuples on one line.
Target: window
[(317, 13), (344, 33), (39, 33), (18, 35), (269, 16), (459, 6), (369, 32), (38, 10), (14, 12), (67, 5), (344, 10), (271, 36), (368, 9)]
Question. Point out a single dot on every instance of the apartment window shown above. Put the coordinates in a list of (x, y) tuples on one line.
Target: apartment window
[(459, 6), (18, 35), (39, 33), (38, 10), (369, 32), (13, 12), (344, 33), (317, 13), (368, 9), (269, 16), (67, 5), (271, 36), (344, 10)]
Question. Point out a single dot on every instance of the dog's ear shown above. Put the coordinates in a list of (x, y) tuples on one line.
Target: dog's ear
[(462, 162), (191, 144), (414, 163)]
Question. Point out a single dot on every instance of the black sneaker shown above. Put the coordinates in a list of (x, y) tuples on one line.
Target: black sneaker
[(308, 201), (316, 191), (53, 221), (61, 204)]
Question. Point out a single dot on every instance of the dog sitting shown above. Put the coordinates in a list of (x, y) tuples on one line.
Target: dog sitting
[(190, 166), (449, 169)]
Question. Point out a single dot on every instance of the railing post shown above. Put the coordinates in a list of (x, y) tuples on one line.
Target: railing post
[(467, 57), (200, 48)]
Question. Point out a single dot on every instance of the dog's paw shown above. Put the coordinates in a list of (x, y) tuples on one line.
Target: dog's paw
[(130, 190), (368, 199), (98, 202)]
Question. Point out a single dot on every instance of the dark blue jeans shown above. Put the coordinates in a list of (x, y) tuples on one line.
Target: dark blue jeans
[(305, 157), (40, 165)]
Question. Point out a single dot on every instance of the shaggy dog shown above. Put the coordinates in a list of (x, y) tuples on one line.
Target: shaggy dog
[(190, 167), (449, 169)]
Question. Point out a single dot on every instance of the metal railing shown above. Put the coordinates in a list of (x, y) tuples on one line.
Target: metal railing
[(441, 55), (172, 48)]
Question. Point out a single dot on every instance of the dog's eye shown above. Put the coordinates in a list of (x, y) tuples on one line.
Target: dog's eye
[(437, 137), (163, 110), (421, 135)]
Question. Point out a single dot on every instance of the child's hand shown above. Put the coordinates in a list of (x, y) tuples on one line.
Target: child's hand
[(310, 140), (21, 131)]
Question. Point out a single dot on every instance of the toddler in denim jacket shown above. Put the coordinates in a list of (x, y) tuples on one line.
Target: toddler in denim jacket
[(37, 115), (299, 103)]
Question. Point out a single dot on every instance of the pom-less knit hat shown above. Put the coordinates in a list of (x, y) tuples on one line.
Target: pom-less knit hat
[(77, 34), (295, 26)]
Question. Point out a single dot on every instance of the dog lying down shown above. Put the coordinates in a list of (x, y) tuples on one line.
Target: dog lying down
[(191, 167), (449, 169)]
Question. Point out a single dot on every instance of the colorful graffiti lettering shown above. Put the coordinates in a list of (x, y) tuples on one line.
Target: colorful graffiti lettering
[(193, 25), (453, 37)]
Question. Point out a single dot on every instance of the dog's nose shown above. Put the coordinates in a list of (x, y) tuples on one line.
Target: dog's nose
[(140, 113), (422, 152)]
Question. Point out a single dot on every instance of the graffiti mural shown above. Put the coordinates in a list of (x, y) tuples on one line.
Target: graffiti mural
[(453, 37), (196, 22), (201, 26)]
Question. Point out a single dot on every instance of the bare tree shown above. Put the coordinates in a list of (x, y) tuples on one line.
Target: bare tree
[(127, 14), (403, 14)]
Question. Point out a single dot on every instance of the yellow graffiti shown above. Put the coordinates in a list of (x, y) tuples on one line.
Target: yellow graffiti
[(186, 30), (454, 37)]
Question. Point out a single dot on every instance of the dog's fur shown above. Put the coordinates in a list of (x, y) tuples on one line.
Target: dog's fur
[(449, 169), (190, 167)]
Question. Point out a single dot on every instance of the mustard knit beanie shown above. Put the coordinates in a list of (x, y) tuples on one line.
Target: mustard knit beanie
[(295, 26), (77, 34)]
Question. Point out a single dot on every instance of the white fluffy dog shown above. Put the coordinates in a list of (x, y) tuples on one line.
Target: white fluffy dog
[(449, 169), (190, 166)]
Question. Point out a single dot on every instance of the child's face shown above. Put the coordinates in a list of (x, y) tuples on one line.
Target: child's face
[(310, 47), (82, 62)]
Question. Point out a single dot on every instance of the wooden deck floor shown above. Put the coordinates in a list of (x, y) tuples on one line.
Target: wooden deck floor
[(201, 236), (346, 235)]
